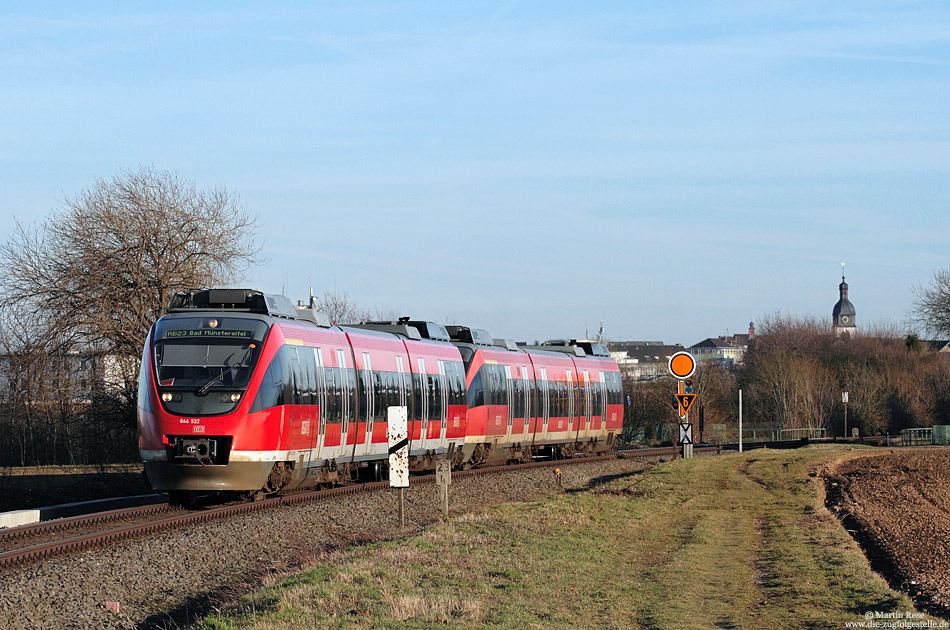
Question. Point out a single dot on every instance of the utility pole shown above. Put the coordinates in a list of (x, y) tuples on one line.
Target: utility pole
[(844, 399), (740, 420)]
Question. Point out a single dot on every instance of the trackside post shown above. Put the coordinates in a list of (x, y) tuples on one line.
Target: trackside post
[(397, 431), (682, 366), (443, 477)]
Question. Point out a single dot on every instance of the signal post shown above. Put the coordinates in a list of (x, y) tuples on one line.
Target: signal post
[(682, 366)]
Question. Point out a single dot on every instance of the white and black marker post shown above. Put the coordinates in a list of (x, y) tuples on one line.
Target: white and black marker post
[(398, 434), (443, 477)]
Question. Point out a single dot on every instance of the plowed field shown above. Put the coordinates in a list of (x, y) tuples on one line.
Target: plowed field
[(897, 505)]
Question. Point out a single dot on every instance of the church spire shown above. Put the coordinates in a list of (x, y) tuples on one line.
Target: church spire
[(842, 316)]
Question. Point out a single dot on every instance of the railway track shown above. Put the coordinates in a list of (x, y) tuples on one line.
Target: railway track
[(43, 541), (49, 539)]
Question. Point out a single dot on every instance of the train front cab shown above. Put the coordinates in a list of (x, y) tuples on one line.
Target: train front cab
[(197, 382)]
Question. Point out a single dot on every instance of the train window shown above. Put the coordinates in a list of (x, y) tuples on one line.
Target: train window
[(509, 391), (602, 396), (546, 394), (572, 396), (435, 397), (614, 390), (403, 383), (467, 355), (380, 394), (560, 399), (367, 397), (517, 402), (418, 396), (143, 397), (456, 377), (491, 385), (499, 385), (191, 364), (307, 384), (292, 392), (562, 393), (334, 388), (271, 392), (393, 388), (320, 388), (476, 392), (349, 390)]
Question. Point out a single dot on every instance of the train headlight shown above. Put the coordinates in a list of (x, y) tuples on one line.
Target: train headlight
[(167, 397), (234, 397)]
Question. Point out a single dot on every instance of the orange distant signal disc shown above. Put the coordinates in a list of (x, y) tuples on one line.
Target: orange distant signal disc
[(682, 365)]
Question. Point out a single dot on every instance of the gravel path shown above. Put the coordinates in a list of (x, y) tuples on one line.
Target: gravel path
[(164, 580)]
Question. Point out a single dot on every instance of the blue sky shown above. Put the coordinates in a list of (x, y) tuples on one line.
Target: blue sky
[(673, 170)]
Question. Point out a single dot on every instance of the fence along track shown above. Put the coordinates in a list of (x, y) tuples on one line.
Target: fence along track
[(44, 551)]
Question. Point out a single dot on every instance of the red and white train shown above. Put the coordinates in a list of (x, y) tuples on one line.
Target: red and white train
[(242, 391)]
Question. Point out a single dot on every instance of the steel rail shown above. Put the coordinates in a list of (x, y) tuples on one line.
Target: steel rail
[(83, 520)]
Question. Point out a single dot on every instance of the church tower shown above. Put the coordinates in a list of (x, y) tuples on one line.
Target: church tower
[(842, 316)]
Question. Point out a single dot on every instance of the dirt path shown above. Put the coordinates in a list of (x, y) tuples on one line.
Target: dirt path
[(897, 506)]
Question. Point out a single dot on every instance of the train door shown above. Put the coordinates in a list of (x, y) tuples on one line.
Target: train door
[(367, 403), (570, 402), (345, 402), (527, 400), (545, 403), (510, 400), (602, 402), (423, 403), (401, 382), (444, 403), (296, 435), (321, 402), (588, 405), (308, 401)]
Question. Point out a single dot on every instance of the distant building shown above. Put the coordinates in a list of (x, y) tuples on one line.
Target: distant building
[(643, 360), (939, 345), (842, 315), (727, 349), (76, 375)]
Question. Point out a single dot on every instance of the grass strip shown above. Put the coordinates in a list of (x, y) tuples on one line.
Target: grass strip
[(735, 541)]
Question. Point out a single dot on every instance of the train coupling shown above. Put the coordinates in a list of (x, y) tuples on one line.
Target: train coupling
[(203, 451)]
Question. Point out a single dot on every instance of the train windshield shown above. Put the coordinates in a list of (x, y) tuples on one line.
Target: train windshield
[(207, 352)]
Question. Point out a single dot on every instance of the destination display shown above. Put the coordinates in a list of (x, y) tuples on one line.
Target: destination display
[(209, 332), (202, 329)]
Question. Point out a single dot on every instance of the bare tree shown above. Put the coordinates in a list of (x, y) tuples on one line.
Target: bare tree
[(716, 390), (105, 265), (340, 307), (83, 288), (932, 304)]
